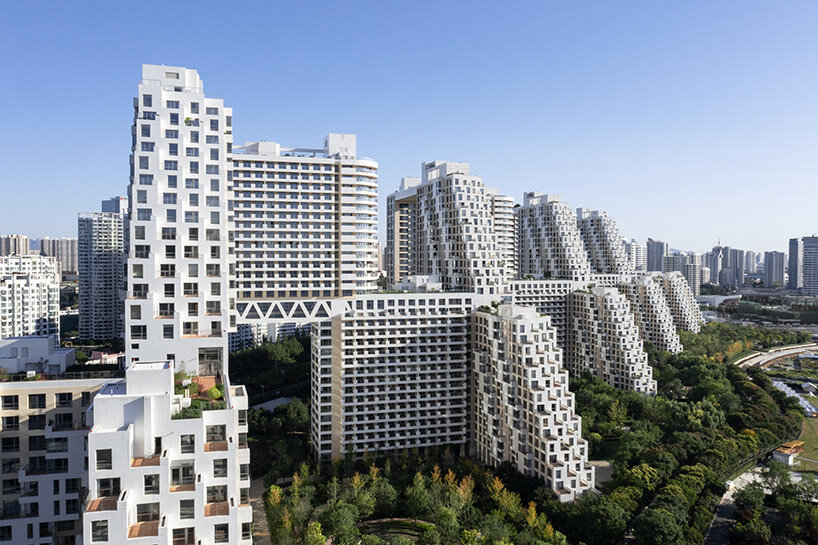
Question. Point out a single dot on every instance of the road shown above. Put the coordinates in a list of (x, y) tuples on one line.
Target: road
[(261, 532), (763, 358), (719, 531)]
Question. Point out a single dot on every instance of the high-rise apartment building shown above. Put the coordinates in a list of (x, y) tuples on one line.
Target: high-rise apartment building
[(305, 221), (101, 273), (455, 238), (682, 302), (773, 269), (795, 268), (549, 243), (115, 205), (689, 264), (637, 255), (604, 340), (657, 250), (161, 471), (505, 233), (650, 308), (521, 409), (14, 245), (66, 251), (749, 262), (43, 442), (181, 296), (401, 226), (603, 243), (29, 296)]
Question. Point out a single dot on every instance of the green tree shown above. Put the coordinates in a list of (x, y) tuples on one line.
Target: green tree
[(752, 532), (656, 527), (314, 535), (418, 499)]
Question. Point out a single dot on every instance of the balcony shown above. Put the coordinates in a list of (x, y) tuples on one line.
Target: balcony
[(215, 446), (145, 461), (143, 529), (217, 509), (183, 487), (107, 503)]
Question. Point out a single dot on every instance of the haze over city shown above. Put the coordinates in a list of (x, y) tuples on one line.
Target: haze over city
[(687, 123)]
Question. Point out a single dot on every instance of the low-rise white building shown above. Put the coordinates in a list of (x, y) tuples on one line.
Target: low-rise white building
[(35, 354), (29, 296), (161, 469)]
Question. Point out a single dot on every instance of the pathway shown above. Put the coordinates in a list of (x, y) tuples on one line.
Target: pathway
[(719, 531), (261, 532)]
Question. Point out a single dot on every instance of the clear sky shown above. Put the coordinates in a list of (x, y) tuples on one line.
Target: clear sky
[(690, 122)]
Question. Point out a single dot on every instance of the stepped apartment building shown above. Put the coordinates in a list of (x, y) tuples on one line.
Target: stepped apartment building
[(682, 302), (522, 410), (29, 296), (650, 308), (181, 300), (603, 243)]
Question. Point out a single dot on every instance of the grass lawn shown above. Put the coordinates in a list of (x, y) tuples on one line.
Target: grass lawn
[(389, 528), (809, 435)]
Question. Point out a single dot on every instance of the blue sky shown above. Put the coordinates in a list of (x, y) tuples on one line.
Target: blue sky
[(690, 122)]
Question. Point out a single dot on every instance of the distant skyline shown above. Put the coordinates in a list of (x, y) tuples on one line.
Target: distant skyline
[(689, 123)]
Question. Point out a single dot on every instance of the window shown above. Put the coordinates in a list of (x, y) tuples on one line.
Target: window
[(170, 215), (146, 131), (147, 512), (168, 233), (214, 154), (168, 198), (228, 120), (194, 167), (99, 531), (64, 400), (139, 332), (11, 486), (213, 308), (142, 251), (167, 270), (212, 200), (174, 118), (188, 444), (212, 169), (148, 146), (212, 111), (216, 494), (104, 459), (36, 442), (192, 183), (152, 483), (244, 472), (191, 251), (171, 133), (214, 124), (190, 289), (244, 496), (72, 486), (139, 232), (167, 331), (214, 185), (171, 165), (108, 487), (11, 465), (72, 506), (216, 433), (193, 233), (166, 310), (214, 218), (190, 328), (146, 179), (147, 101), (136, 312), (193, 270), (220, 468), (246, 530), (193, 309), (85, 399), (141, 196), (143, 214), (212, 234), (173, 148), (191, 152), (191, 217), (184, 536), (36, 422), (242, 417), (212, 269), (172, 104), (194, 107), (137, 270), (172, 181), (36, 401), (194, 135), (144, 162), (5, 533), (11, 423), (212, 139), (10, 403), (10, 444), (187, 509), (215, 288), (56, 444), (221, 533), (194, 199)]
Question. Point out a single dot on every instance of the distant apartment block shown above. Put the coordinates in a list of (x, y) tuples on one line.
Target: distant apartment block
[(101, 275), (652, 312), (637, 255), (66, 251), (14, 245), (606, 251), (682, 302), (657, 250), (401, 227), (803, 265), (29, 296), (521, 409), (773, 269)]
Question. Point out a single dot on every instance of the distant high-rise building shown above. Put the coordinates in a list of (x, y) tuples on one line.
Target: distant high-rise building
[(803, 269), (657, 250), (795, 268), (603, 243), (102, 273), (14, 245), (749, 262), (64, 249), (505, 232), (115, 205), (401, 224), (689, 264), (773, 269), (29, 296), (550, 244), (637, 255)]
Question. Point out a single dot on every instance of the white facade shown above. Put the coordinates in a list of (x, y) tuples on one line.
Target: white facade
[(35, 354), (682, 302), (603, 340), (305, 221), (101, 275), (550, 245), (29, 296), (522, 410), (180, 301), (161, 474), (637, 255), (653, 316), (505, 233), (603, 243)]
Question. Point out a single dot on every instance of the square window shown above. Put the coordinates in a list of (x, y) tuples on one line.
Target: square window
[(104, 459), (99, 531), (152, 484)]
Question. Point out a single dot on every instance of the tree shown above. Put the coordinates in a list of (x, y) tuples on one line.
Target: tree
[(418, 499), (656, 527), (617, 413), (752, 532), (314, 535), (750, 499)]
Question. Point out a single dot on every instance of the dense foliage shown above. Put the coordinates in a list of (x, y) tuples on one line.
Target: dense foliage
[(274, 369), (278, 440), (721, 341)]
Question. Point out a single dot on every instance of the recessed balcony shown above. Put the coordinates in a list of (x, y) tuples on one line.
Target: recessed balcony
[(143, 529), (217, 509), (107, 503), (145, 461)]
